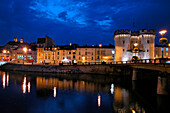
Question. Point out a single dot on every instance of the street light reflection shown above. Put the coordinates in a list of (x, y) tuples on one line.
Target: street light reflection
[(7, 80), (24, 86), (29, 87), (99, 100), (4, 81), (55, 91)]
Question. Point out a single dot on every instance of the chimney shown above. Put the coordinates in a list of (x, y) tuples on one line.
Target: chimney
[(21, 40), (15, 39)]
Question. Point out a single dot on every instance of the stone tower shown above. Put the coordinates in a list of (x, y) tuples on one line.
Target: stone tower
[(122, 39), (129, 44)]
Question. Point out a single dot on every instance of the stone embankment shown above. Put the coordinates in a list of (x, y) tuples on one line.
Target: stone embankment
[(75, 69)]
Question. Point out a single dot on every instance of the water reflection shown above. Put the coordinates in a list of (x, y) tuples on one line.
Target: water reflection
[(95, 94), (55, 92), (29, 87), (3, 80), (99, 100), (24, 86)]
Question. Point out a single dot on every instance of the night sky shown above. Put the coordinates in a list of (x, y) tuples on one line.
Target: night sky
[(80, 21)]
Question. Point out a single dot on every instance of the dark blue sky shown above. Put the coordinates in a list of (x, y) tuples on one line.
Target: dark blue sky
[(80, 21)]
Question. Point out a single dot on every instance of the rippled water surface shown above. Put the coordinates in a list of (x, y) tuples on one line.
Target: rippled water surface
[(37, 93)]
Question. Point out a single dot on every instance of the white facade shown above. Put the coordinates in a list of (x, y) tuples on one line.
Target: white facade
[(125, 48)]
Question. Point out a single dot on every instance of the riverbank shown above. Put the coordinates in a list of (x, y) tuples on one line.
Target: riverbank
[(73, 69)]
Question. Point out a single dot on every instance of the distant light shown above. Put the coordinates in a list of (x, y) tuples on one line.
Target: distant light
[(4, 51), (100, 45), (112, 88), (113, 52), (162, 32), (92, 45), (133, 111), (105, 57), (135, 44), (169, 44), (70, 44), (25, 49)]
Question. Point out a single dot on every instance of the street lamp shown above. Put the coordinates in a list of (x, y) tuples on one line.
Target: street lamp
[(163, 40), (25, 50)]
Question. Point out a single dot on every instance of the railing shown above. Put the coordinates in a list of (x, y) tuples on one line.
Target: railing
[(141, 61)]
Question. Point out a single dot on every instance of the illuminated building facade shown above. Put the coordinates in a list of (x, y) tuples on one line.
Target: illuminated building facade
[(158, 51), (70, 55), (130, 44)]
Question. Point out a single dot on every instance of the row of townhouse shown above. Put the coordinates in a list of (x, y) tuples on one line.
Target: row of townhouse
[(83, 54)]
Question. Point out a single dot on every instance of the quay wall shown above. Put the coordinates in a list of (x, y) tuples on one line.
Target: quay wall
[(75, 69)]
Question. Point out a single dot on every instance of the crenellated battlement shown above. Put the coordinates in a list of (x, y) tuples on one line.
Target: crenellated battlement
[(122, 31), (135, 33)]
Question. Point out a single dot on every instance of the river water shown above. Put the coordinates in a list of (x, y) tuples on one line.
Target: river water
[(50, 93)]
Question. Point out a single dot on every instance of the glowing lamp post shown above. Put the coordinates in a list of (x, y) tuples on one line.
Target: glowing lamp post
[(25, 50), (163, 40)]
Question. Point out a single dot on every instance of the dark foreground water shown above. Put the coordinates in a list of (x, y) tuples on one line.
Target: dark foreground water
[(36, 93)]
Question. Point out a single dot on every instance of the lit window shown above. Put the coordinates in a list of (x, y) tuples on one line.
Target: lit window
[(113, 52), (166, 49), (162, 49), (156, 56), (166, 54)]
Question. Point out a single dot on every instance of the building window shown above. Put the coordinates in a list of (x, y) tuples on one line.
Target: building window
[(58, 53), (85, 58), (103, 52), (41, 54), (48, 57), (74, 52), (91, 58), (148, 41), (79, 53), (79, 58), (85, 53), (69, 52), (123, 41), (156, 56), (74, 57), (166, 49), (45, 57), (147, 50), (131, 41), (98, 52), (97, 57), (166, 54), (123, 49)]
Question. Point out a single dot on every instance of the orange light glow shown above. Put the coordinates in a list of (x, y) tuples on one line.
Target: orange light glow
[(100, 45), (133, 111), (135, 44), (24, 86), (4, 81), (25, 49), (162, 32), (55, 91), (7, 79), (99, 100), (29, 87), (4, 51)]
